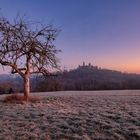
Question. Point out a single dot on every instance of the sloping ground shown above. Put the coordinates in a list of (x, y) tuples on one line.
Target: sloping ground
[(112, 115)]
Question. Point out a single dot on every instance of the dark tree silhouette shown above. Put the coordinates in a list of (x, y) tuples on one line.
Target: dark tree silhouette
[(27, 48)]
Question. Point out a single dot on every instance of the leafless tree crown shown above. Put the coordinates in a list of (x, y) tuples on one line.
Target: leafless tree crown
[(21, 44)]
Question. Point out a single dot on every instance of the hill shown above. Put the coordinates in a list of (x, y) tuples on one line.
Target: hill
[(85, 77), (88, 77)]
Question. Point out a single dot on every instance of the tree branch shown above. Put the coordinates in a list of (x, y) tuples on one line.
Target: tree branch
[(13, 66)]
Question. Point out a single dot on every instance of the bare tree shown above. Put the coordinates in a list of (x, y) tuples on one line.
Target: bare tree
[(27, 49)]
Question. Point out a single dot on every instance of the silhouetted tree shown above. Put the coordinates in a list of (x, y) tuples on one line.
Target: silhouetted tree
[(49, 84), (27, 48)]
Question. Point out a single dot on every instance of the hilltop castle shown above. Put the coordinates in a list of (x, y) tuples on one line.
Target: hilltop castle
[(89, 66)]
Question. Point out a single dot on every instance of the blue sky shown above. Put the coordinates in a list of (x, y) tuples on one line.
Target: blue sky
[(103, 32)]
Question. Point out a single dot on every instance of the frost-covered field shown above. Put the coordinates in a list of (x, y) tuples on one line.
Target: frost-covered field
[(83, 115)]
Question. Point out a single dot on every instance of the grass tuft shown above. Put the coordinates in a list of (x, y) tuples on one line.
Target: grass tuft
[(17, 98)]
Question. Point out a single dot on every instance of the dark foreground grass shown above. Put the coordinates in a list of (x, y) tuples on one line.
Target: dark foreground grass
[(17, 98)]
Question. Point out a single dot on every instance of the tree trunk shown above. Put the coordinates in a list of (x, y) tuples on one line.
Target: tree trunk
[(27, 81), (27, 86)]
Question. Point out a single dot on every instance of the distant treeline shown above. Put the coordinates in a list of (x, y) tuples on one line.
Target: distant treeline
[(86, 77)]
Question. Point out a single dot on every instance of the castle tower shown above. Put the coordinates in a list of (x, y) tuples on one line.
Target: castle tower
[(84, 64)]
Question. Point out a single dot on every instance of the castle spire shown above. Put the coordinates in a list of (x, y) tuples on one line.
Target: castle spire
[(83, 63)]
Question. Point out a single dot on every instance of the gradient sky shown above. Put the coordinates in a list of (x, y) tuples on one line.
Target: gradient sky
[(103, 32)]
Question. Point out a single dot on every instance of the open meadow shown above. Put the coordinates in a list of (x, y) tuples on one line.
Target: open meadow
[(73, 115)]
